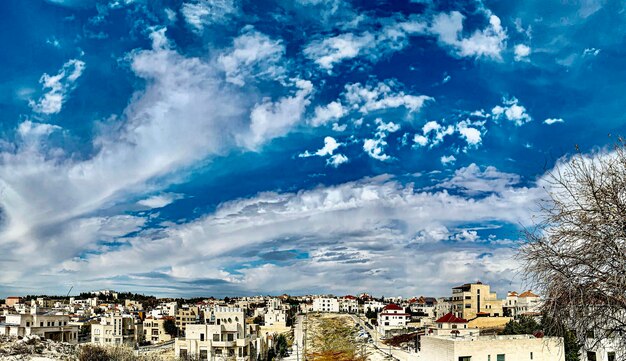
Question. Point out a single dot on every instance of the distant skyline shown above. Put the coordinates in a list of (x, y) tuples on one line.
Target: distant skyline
[(222, 147)]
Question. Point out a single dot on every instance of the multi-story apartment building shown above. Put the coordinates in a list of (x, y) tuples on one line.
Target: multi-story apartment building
[(154, 330), (116, 330), (225, 337), (47, 324), (185, 316), (392, 318), (475, 299), (348, 304), (325, 304)]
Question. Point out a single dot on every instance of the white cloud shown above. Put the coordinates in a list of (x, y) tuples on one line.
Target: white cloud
[(160, 200), (512, 111), (253, 54), (551, 121), (327, 52), (58, 87), (330, 145), (591, 52), (337, 160), (184, 115), (447, 159), (274, 119), (391, 37), (331, 112), (420, 140), (383, 225), (203, 13), (470, 134), (488, 42), (368, 98), (522, 52), (375, 147), (472, 180)]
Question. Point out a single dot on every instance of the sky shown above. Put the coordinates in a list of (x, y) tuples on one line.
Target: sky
[(223, 147)]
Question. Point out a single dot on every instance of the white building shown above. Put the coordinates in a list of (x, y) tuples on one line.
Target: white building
[(491, 348), (228, 337), (116, 330), (372, 305), (325, 304), (50, 325), (348, 304), (392, 318), (516, 305), (274, 317), (452, 325)]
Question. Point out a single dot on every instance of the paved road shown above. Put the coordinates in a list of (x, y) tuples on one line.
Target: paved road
[(396, 353)]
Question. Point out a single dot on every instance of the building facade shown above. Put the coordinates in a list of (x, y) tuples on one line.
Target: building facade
[(475, 299)]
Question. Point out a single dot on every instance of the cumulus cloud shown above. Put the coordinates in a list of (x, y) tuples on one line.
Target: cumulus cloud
[(274, 119), (201, 13), (521, 51), (375, 147), (391, 37), (448, 159), (486, 43), (551, 121), (512, 111), (337, 160), (330, 112), (253, 54), (472, 180), (384, 95), (330, 145), (58, 87)]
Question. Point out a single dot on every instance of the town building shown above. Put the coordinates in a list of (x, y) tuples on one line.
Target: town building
[(491, 348), (325, 304), (392, 319), (185, 316), (154, 330), (46, 324), (226, 337), (348, 304), (475, 299), (117, 330), (452, 325), (12, 301)]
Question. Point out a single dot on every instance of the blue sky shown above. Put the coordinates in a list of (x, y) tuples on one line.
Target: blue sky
[(222, 147)]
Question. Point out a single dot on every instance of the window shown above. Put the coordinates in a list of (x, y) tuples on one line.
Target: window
[(591, 356), (611, 356), (500, 357), (230, 337), (204, 355), (531, 355), (465, 358), (201, 337)]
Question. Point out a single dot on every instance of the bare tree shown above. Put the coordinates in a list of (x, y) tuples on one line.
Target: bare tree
[(576, 255)]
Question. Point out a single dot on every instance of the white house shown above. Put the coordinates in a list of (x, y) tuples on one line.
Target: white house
[(325, 304), (452, 325), (46, 324), (392, 318)]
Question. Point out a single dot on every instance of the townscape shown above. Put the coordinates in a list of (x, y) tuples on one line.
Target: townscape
[(472, 323)]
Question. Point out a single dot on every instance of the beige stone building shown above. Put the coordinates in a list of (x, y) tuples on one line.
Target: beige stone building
[(117, 330), (186, 316), (154, 330), (46, 324), (475, 299), (491, 348), (226, 336)]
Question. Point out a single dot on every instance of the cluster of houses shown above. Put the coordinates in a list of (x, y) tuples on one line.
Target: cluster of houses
[(461, 327)]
